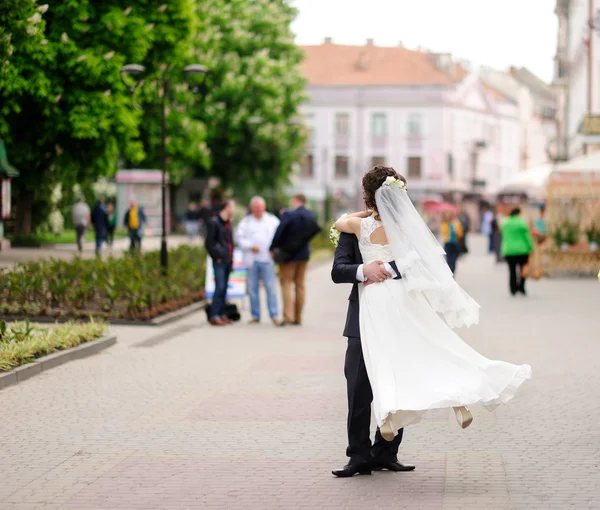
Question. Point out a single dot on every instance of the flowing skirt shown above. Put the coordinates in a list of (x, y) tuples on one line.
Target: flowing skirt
[(416, 362)]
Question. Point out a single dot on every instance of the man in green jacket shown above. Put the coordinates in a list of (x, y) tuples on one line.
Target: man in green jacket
[(517, 244)]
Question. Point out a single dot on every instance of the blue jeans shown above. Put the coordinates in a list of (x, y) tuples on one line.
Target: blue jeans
[(452, 253), (100, 238), (135, 240), (264, 271), (491, 244), (222, 271)]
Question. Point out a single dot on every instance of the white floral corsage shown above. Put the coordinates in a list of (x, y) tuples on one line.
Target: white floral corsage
[(334, 233), (391, 181)]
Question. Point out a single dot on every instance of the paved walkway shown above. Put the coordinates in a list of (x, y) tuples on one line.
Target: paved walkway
[(193, 417), (66, 251)]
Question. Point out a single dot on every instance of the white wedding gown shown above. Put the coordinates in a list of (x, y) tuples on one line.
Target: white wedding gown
[(414, 360)]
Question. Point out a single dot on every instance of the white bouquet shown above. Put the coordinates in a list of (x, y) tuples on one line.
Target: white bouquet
[(334, 233)]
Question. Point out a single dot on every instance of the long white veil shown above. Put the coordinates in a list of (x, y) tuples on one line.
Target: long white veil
[(420, 258)]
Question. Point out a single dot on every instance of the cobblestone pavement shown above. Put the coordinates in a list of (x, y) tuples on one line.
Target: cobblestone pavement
[(189, 417)]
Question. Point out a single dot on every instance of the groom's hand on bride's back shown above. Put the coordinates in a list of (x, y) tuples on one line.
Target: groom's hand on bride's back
[(375, 272)]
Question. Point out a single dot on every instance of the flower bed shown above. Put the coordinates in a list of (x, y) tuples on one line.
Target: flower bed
[(23, 342), (130, 287)]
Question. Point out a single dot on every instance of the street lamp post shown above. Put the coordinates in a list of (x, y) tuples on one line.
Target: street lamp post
[(136, 71), (294, 121)]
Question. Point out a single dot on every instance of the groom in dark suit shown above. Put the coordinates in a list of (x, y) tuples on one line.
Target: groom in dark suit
[(348, 267)]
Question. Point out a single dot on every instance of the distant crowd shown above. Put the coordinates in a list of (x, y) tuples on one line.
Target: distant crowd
[(103, 220), (265, 241)]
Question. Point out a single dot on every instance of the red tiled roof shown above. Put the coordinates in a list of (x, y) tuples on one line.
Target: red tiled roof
[(334, 64)]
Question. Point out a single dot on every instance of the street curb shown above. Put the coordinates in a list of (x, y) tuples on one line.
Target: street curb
[(157, 321), (55, 359)]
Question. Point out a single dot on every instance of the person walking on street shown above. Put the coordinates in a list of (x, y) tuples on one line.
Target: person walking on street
[(134, 222), (465, 221), (254, 236), (452, 233), (191, 221), (204, 216), (100, 223), (517, 244), (81, 221), (487, 228), (112, 224), (219, 245), (290, 248)]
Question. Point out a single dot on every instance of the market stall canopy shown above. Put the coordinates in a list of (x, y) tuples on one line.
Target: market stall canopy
[(589, 163), (6, 168), (531, 181)]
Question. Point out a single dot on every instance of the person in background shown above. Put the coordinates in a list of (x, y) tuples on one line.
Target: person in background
[(517, 244), (496, 221), (100, 224), (290, 248), (219, 245), (204, 215), (540, 226), (465, 221), (254, 236), (487, 227), (452, 233), (191, 221), (134, 222), (81, 220), (112, 224)]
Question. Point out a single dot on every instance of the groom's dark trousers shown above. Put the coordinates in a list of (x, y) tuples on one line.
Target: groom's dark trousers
[(345, 265)]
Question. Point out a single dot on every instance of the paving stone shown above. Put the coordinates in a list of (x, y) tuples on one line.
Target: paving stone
[(250, 417)]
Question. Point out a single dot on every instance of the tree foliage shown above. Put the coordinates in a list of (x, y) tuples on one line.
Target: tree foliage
[(255, 75), (67, 117)]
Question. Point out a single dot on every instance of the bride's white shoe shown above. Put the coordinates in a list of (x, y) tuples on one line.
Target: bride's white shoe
[(387, 431), (463, 416)]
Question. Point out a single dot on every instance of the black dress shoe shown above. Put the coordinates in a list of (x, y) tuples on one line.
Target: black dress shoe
[(350, 469), (392, 466)]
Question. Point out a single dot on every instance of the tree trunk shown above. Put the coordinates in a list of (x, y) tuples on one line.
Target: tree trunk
[(24, 210)]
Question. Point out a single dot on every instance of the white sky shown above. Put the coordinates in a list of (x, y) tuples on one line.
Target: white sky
[(496, 33)]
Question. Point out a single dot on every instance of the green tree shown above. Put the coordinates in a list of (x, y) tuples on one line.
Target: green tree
[(66, 115), (254, 73), (173, 25)]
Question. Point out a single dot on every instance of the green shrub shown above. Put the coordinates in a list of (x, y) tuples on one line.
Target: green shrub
[(23, 342), (131, 286)]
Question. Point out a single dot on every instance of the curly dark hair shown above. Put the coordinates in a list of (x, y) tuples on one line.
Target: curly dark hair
[(373, 180)]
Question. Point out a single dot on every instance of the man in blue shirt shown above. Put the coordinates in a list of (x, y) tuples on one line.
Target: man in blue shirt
[(290, 248)]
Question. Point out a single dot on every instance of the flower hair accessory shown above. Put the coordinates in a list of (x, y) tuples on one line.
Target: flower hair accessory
[(392, 181), (334, 233)]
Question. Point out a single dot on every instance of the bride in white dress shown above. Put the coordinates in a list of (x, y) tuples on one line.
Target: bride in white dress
[(414, 360)]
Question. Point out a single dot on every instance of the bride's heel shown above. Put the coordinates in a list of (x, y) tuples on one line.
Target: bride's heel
[(387, 431), (463, 416)]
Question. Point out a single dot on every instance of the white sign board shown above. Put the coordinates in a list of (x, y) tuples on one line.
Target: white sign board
[(237, 281)]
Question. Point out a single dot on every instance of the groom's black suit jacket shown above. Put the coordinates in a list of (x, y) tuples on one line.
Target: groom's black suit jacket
[(345, 265)]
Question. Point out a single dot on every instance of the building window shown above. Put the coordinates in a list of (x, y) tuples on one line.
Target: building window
[(414, 125), (451, 166), (342, 124), (378, 125), (341, 166), (377, 160), (307, 167), (414, 167)]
